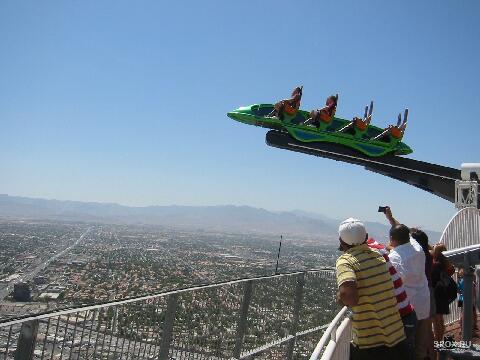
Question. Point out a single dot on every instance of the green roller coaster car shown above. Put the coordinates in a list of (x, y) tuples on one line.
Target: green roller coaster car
[(369, 140)]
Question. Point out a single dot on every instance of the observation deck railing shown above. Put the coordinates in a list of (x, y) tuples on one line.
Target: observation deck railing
[(335, 341), (273, 317)]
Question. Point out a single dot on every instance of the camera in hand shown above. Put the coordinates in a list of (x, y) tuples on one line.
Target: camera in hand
[(382, 209)]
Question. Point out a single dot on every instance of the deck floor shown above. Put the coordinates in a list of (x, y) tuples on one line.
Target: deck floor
[(454, 329)]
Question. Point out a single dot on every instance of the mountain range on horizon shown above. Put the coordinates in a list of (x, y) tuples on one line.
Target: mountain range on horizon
[(224, 218)]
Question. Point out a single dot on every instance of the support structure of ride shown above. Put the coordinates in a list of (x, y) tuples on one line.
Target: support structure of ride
[(436, 179)]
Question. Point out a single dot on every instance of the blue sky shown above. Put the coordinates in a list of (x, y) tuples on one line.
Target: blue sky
[(118, 101)]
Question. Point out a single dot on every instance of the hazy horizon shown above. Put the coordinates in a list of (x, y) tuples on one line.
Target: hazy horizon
[(373, 216), (239, 219)]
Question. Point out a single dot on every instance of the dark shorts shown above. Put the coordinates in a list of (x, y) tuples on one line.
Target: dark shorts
[(433, 310), (397, 352), (410, 328)]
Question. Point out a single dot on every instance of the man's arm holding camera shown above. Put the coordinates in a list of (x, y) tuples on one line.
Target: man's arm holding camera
[(389, 216)]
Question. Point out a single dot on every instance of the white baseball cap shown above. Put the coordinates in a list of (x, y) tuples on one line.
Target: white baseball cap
[(352, 231)]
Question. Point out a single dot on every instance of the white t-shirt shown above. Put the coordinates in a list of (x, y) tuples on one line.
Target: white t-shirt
[(409, 261)]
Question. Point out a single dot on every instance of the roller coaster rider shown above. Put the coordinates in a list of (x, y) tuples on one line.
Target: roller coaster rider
[(288, 106), (324, 114)]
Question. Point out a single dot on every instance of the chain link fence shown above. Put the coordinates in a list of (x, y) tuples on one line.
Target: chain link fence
[(275, 317)]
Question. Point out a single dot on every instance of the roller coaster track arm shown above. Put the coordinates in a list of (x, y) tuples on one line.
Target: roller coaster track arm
[(436, 179)]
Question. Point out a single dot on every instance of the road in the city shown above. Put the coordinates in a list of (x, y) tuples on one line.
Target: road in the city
[(30, 275)]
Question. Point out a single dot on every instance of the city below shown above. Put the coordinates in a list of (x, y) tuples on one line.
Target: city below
[(51, 265)]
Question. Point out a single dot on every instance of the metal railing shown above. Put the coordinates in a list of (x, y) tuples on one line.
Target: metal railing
[(462, 230), (275, 317), (335, 341)]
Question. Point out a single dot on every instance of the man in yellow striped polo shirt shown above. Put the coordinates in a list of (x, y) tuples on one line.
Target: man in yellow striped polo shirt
[(365, 285)]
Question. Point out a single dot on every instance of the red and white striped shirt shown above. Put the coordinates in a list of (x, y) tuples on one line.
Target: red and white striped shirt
[(403, 303)]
